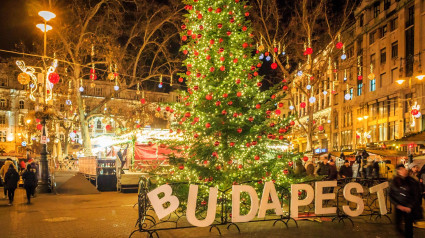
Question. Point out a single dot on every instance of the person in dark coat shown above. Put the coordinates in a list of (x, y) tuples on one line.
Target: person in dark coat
[(323, 168), (11, 183), (404, 194), (333, 173), (346, 171), (375, 169), (30, 181)]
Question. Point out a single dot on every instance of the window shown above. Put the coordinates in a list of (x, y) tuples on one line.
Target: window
[(371, 37), (410, 16), (381, 80), (394, 24), (351, 93), (62, 107), (98, 91), (359, 89), (2, 136), (372, 59), (21, 104), (336, 121), (383, 56), (98, 124), (387, 4), (394, 50), (376, 10), (2, 119), (350, 52), (394, 75), (372, 85), (383, 31), (372, 130), (391, 130), (361, 20), (3, 103), (383, 132), (21, 119)]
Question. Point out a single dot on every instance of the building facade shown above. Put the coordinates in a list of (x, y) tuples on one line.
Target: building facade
[(378, 82)]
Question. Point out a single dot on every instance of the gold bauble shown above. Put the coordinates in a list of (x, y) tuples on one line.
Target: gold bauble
[(371, 76), (261, 48), (138, 92), (24, 78), (111, 76), (92, 85)]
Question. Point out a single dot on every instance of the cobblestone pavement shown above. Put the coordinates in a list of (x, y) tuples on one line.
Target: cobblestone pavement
[(111, 214)]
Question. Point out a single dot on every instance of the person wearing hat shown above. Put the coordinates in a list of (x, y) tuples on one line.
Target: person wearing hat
[(346, 171), (30, 181)]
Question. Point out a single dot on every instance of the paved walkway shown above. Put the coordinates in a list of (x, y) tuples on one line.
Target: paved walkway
[(111, 214)]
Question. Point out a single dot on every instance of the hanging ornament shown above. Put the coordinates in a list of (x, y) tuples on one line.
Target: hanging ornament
[(347, 96), (268, 58), (320, 128), (116, 87), (53, 78), (418, 115), (359, 77), (261, 57), (339, 45), (308, 51), (68, 102), (160, 82), (273, 65), (24, 78), (325, 92), (303, 104), (300, 73), (92, 85), (308, 87), (39, 127), (108, 127), (291, 107), (81, 89), (312, 99)]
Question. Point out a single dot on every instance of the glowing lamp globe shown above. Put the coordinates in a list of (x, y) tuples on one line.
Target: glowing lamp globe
[(116, 87), (291, 107), (24, 78), (343, 56), (81, 89), (44, 28), (46, 15), (261, 56), (347, 96)]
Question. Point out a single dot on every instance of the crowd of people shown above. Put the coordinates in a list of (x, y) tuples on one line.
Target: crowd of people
[(10, 178)]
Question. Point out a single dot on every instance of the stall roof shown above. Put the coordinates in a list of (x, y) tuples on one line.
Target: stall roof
[(388, 153), (417, 138), (346, 153)]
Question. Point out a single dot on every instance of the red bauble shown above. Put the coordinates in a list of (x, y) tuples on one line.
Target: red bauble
[(273, 66), (222, 68), (235, 60), (232, 144), (224, 112), (259, 84), (184, 38), (280, 104), (320, 128), (258, 106), (277, 112), (285, 171), (339, 45), (244, 28), (245, 45), (218, 103), (180, 80), (239, 130), (238, 94), (108, 127), (273, 96), (305, 158), (216, 143), (308, 51), (302, 105), (181, 167), (143, 101), (207, 125), (187, 114), (54, 78), (39, 127), (250, 119), (158, 109), (208, 97), (219, 25), (238, 81), (257, 157), (414, 112), (183, 27), (285, 88), (292, 123), (290, 163)]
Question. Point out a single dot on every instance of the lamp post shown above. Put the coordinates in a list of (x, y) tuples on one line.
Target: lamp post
[(46, 95)]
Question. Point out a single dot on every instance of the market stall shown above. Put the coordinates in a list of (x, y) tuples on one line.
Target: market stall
[(100, 171)]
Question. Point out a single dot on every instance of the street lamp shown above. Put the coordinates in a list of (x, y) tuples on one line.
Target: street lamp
[(43, 114)]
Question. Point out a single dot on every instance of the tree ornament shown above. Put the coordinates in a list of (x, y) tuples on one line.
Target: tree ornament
[(290, 163), (359, 77), (273, 65), (181, 167), (343, 56), (54, 78), (108, 127), (143, 101), (300, 73), (291, 107), (320, 128), (277, 112), (158, 109), (257, 157), (285, 171), (308, 51), (308, 87), (303, 104), (81, 89), (208, 97), (258, 106), (207, 125), (238, 94), (268, 58), (24, 78), (339, 45), (239, 130), (39, 127)]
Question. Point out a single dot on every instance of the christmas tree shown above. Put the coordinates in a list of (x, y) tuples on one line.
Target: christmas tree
[(230, 130)]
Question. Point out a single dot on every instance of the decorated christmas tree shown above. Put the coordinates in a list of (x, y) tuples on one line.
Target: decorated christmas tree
[(231, 130)]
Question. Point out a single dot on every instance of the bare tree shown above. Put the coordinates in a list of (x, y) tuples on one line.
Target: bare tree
[(301, 38)]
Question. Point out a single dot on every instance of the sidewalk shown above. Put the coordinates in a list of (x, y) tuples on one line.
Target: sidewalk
[(111, 214)]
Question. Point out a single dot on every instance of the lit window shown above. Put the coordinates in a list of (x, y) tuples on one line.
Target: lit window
[(372, 85)]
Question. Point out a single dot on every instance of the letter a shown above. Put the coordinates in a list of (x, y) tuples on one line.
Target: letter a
[(269, 190)]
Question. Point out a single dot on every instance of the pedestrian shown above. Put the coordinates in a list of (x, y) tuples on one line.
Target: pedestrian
[(375, 169), (11, 183), (3, 171), (422, 181), (346, 171), (323, 169), (30, 181), (404, 194), (332, 173)]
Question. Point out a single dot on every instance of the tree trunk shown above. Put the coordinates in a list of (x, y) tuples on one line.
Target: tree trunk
[(85, 135), (310, 129), (66, 142)]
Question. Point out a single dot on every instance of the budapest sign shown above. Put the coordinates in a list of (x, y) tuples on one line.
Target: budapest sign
[(259, 207)]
